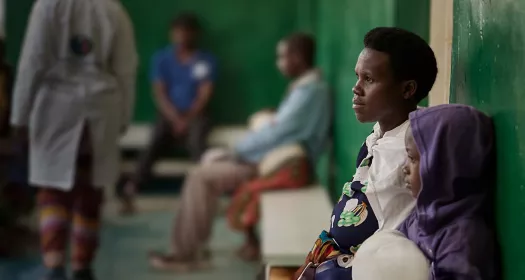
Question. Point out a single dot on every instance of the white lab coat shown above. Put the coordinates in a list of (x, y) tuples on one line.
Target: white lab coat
[(57, 91)]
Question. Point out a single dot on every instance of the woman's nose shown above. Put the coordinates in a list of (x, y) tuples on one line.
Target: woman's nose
[(357, 91)]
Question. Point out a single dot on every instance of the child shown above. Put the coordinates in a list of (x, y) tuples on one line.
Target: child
[(449, 171), (395, 71)]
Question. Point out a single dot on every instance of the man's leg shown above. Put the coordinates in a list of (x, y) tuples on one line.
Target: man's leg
[(194, 220), (55, 219), (197, 138), (161, 139)]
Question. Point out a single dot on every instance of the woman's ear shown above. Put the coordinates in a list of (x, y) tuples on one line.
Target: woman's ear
[(409, 89)]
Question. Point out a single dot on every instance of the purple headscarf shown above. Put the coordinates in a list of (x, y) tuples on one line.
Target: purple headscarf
[(451, 221)]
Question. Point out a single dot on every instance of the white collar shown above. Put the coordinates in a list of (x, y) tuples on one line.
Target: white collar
[(395, 132), (398, 132)]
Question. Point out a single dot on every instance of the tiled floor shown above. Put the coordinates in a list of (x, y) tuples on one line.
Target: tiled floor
[(127, 240)]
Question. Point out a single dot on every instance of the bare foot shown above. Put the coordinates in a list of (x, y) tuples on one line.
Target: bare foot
[(166, 262), (249, 252)]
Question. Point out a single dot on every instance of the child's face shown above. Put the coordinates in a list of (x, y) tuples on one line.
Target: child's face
[(411, 168)]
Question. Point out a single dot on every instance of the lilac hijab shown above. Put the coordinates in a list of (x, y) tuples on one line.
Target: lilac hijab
[(450, 223)]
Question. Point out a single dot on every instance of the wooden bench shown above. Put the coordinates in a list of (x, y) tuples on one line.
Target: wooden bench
[(138, 137), (291, 222)]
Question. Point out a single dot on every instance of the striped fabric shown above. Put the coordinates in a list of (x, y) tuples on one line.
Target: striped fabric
[(76, 214)]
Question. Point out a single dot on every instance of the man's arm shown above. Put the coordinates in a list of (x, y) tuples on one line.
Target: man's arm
[(160, 91), (291, 122), (163, 103), (204, 94), (205, 89), (34, 59)]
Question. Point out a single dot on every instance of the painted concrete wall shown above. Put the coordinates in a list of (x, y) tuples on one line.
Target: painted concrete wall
[(441, 32), (488, 63)]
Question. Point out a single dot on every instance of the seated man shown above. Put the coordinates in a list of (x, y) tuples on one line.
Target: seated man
[(182, 78), (303, 117), (395, 71)]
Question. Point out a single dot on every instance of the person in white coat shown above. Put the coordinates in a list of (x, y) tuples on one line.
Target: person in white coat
[(74, 95)]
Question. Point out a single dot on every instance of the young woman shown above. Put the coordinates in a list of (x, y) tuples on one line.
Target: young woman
[(395, 71)]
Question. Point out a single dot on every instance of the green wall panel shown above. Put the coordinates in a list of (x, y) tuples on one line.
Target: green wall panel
[(16, 12), (242, 35), (487, 72), (244, 43)]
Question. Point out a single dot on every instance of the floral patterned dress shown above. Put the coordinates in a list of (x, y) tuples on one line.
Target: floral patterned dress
[(352, 222)]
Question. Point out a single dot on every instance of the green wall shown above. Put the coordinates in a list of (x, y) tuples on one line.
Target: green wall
[(242, 35), (341, 27), (244, 42), (487, 72), (16, 12)]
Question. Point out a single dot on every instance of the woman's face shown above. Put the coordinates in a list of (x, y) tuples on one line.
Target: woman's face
[(411, 168), (377, 94)]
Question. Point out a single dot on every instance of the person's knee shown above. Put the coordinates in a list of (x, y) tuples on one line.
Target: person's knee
[(196, 172), (203, 175)]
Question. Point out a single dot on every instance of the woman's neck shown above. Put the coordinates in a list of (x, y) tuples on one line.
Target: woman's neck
[(394, 120)]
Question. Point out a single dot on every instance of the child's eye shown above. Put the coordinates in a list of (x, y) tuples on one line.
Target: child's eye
[(368, 79)]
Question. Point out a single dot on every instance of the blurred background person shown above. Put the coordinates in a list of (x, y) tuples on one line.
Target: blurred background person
[(183, 79), (303, 119), (74, 97)]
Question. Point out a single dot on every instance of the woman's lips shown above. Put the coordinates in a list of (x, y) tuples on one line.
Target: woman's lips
[(357, 104)]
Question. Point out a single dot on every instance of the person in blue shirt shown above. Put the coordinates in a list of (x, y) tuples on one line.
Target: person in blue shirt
[(183, 79), (303, 117)]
